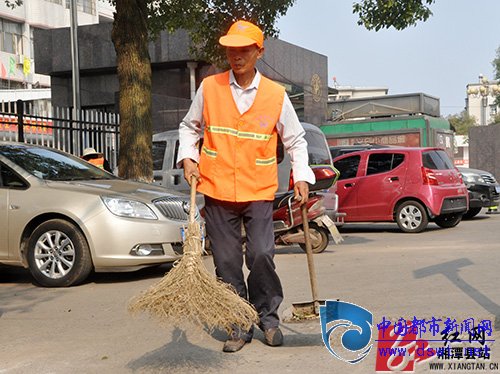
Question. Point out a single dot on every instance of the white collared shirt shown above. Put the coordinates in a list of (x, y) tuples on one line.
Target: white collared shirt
[(289, 128)]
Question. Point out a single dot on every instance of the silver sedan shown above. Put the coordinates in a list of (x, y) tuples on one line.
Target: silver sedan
[(62, 217)]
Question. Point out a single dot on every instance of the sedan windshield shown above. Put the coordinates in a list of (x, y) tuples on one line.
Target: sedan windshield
[(51, 164)]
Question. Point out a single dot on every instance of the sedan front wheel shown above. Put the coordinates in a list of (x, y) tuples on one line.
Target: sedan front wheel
[(58, 254)]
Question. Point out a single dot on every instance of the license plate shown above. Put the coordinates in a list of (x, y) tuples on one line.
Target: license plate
[(183, 234)]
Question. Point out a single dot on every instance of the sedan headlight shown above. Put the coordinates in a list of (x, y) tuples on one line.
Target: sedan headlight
[(128, 208), (472, 178)]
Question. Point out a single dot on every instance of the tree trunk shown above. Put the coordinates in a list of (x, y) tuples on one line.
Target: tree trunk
[(130, 38)]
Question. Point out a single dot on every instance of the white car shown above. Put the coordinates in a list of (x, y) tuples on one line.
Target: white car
[(62, 217)]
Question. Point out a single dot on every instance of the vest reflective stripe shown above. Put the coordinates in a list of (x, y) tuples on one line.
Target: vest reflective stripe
[(209, 152), (265, 162), (222, 130), (238, 134), (238, 158)]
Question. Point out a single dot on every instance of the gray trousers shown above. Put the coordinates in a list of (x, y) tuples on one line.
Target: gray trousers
[(223, 224)]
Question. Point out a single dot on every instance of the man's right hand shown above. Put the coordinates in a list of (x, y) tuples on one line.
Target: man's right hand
[(190, 169)]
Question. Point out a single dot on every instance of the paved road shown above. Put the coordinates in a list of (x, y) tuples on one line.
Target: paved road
[(86, 329)]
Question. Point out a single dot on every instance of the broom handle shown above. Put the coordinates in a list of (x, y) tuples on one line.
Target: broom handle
[(310, 259), (192, 205)]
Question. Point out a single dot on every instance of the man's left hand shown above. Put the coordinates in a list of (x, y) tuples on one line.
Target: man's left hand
[(301, 192)]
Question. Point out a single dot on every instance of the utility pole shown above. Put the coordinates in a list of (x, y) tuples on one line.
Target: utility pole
[(75, 63)]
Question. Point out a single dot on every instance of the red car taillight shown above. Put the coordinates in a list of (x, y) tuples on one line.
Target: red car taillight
[(428, 177)]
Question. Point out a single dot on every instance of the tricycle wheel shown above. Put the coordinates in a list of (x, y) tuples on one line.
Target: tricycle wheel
[(319, 238)]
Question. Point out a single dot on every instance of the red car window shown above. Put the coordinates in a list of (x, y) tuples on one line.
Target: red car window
[(348, 167), (436, 160), (383, 162)]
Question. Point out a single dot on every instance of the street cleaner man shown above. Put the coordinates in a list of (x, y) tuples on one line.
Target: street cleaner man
[(242, 113)]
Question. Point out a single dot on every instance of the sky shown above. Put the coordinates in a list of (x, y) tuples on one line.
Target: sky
[(438, 57)]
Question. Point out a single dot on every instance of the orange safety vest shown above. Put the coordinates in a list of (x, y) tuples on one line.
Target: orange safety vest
[(238, 157), (99, 162)]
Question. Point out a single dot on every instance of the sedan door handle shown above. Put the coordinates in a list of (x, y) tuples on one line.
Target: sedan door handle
[(349, 185), (392, 179)]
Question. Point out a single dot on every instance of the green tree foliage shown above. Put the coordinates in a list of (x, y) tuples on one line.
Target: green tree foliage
[(400, 14), (13, 3), (496, 69), (495, 120), (135, 21), (207, 20), (462, 122), (496, 64)]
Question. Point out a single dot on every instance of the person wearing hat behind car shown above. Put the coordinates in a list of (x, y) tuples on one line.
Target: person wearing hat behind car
[(96, 158), (243, 113)]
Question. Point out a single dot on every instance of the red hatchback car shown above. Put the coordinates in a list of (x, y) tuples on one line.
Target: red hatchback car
[(411, 186)]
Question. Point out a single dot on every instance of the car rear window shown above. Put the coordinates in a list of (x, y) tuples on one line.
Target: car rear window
[(318, 151), (383, 162), (159, 154), (348, 167), (436, 160)]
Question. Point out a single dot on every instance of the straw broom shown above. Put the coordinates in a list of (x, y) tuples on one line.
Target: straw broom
[(189, 294)]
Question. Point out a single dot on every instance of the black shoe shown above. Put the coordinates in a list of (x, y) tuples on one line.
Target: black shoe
[(273, 337), (234, 344)]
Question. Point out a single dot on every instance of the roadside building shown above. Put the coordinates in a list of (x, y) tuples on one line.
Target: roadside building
[(461, 154), (480, 102), (339, 94), (352, 92), (176, 74), (480, 105), (411, 120), (19, 75)]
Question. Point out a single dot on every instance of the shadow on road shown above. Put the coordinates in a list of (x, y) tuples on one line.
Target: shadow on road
[(375, 227), (476, 218), (332, 247), (23, 300), (21, 276), (288, 249), (130, 276), (18, 291), (353, 240), (14, 274), (295, 338), (292, 337), (451, 270), (179, 356)]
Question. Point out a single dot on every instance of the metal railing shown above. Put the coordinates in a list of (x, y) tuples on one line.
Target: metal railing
[(62, 128)]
